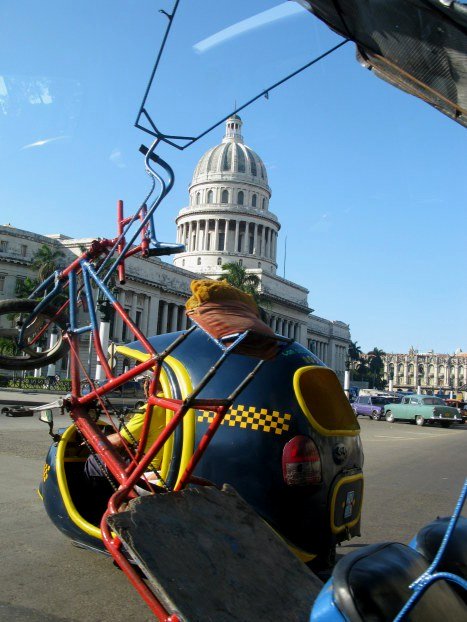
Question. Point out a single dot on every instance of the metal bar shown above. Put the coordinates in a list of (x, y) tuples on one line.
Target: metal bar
[(202, 446), (159, 55), (165, 137)]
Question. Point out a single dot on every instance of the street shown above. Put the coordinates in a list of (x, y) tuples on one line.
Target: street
[(412, 475)]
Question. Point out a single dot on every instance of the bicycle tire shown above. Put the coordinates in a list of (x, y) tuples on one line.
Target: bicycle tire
[(28, 358)]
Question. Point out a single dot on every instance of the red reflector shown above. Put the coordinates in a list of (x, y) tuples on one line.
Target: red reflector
[(301, 462)]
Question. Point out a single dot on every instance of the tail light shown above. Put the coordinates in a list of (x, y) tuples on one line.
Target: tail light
[(301, 462)]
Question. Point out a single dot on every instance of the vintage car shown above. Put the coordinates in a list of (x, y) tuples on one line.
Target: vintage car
[(421, 409), (461, 407), (372, 405)]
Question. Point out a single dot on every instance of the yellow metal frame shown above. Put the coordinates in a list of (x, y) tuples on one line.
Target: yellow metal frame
[(303, 405), (189, 421), (345, 480)]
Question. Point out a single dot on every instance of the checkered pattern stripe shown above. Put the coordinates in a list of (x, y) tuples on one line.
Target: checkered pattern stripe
[(249, 417)]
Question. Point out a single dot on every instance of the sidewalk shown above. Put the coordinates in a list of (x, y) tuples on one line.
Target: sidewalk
[(15, 397)]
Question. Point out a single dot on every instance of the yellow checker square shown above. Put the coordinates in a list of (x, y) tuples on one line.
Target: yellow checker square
[(249, 417)]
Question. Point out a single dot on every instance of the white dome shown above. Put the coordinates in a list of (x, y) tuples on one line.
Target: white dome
[(231, 157)]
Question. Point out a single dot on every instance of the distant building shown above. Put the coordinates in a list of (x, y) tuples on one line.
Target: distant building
[(431, 372), (227, 220)]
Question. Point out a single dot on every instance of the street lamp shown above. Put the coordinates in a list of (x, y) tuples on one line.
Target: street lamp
[(106, 311), (347, 376)]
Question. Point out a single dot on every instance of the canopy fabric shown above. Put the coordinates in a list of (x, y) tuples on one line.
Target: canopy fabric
[(420, 46)]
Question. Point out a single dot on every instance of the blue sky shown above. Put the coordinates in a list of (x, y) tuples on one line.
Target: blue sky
[(369, 183)]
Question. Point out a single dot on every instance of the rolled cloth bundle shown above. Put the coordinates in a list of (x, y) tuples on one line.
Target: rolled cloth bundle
[(221, 310)]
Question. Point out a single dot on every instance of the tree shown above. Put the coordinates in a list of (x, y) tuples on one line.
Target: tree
[(45, 261), (25, 287), (236, 275), (376, 367), (355, 351)]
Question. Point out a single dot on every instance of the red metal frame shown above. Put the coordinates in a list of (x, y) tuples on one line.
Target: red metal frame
[(129, 474)]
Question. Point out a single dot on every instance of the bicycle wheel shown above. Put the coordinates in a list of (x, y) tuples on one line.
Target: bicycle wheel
[(13, 314)]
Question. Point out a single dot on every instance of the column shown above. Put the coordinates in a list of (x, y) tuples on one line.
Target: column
[(255, 239), (153, 309), (263, 242), (227, 234), (216, 234), (245, 239), (174, 318), (188, 244), (196, 246), (237, 234), (165, 310)]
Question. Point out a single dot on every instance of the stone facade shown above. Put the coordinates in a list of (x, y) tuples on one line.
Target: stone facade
[(227, 220), (426, 370)]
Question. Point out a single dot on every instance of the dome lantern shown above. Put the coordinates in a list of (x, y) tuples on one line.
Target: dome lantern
[(233, 129)]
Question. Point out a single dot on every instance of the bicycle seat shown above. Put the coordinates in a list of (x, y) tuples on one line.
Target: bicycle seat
[(371, 585)]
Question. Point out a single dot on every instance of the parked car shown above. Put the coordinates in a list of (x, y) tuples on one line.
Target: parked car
[(421, 409), (461, 407), (371, 405), (129, 394)]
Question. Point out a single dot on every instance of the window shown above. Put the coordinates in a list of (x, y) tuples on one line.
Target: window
[(138, 319), (198, 261), (240, 262), (219, 261), (264, 204), (253, 200), (259, 264), (2, 282), (198, 198), (225, 196), (183, 262), (24, 250), (210, 196), (3, 246), (240, 198)]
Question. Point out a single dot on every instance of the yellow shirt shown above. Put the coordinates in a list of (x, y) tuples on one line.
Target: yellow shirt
[(135, 428)]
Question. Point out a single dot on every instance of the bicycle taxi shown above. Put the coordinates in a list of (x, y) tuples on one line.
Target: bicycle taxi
[(260, 462)]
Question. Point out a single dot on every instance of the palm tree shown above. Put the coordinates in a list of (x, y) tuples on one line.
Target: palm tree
[(354, 351), (236, 275), (376, 367), (45, 261)]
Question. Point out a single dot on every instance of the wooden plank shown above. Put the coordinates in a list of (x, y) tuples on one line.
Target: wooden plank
[(210, 557)]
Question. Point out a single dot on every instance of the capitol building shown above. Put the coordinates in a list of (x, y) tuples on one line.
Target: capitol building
[(227, 219)]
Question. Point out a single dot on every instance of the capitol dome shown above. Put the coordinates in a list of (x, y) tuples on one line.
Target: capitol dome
[(232, 156), (228, 218)]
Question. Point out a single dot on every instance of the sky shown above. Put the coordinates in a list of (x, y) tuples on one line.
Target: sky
[(369, 183)]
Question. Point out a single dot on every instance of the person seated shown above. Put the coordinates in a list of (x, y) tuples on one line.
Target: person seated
[(130, 433)]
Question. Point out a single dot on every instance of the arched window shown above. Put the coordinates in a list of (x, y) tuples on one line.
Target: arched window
[(240, 262), (210, 196), (183, 262), (253, 200), (198, 261), (219, 261), (225, 196), (259, 264), (264, 204), (198, 198), (240, 197)]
